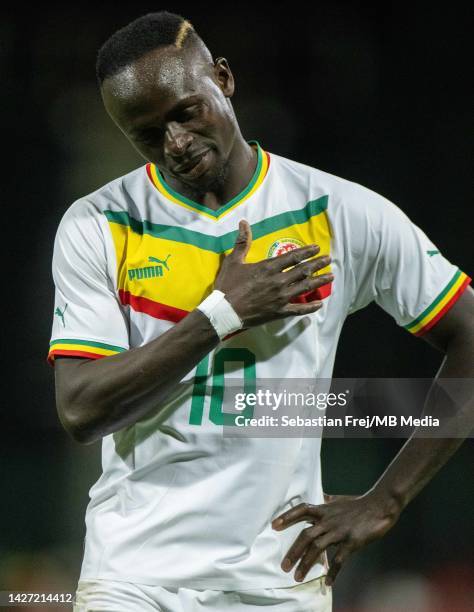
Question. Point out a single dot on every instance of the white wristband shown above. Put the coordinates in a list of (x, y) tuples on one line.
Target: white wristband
[(220, 313)]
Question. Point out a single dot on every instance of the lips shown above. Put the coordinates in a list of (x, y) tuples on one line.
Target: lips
[(187, 166)]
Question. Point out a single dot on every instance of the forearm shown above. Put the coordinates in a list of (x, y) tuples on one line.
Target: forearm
[(109, 394), (96, 398), (348, 523), (422, 457)]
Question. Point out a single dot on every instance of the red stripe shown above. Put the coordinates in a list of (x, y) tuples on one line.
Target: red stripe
[(315, 294), (152, 308), (445, 309), (324, 291), (239, 331), (309, 296), (148, 171), (71, 353)]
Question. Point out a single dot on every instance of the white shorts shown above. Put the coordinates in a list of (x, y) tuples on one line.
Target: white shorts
[(115, 596)]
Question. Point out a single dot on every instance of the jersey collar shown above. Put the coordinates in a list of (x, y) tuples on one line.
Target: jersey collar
[(263, 163)]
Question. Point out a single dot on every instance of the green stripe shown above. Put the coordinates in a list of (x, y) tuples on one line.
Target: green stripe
[(216, 213), (101, 345), (219, 244), (436, 302)]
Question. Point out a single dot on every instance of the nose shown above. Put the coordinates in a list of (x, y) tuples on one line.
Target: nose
[(177, 140)]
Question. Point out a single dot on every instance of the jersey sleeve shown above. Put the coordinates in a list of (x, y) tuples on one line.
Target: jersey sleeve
[(88, 320), (394, 263)]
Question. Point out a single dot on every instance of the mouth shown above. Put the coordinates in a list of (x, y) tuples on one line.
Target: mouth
[(195, 166)]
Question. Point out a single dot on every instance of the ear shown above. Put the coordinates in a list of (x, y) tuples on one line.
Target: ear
[(224, 77)]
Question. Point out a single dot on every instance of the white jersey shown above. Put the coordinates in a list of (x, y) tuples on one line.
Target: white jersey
[(178, 504)]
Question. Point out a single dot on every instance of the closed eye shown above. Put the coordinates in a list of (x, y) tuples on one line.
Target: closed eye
[(150, 137), (189, 113)]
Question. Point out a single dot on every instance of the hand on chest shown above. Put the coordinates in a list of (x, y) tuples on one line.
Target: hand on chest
[(177, 267)]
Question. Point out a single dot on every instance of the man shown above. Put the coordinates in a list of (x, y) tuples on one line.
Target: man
[(215, 258)]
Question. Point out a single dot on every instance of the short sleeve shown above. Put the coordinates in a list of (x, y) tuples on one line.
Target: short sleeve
[(88, 320), (395, 264)]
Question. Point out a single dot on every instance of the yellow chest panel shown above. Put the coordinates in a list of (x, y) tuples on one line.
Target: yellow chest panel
[(178, 268)]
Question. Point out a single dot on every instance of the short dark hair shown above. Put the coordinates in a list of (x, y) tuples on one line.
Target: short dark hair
[(139, 37)]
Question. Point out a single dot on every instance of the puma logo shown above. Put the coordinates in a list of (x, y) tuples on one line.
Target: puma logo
[(60, 313), (154, 271), (163, 262)]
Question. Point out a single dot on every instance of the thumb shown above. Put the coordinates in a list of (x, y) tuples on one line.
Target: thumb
[(243, 241)]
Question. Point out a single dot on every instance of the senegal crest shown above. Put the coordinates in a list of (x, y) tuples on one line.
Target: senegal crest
[(284, 245)]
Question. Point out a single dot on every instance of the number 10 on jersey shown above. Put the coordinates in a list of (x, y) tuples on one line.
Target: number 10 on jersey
[(217, 387)]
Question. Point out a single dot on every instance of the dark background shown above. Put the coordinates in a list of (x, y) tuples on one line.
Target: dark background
[(378, 96)]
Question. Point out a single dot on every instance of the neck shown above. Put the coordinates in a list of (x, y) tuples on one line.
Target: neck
[(239, 169)]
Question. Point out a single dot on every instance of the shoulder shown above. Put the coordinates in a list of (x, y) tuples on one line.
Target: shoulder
[(117, 194), (84, 222), (345, 197)]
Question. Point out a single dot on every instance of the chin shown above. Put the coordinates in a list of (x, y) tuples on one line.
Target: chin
[(212, 180), (218, 177)]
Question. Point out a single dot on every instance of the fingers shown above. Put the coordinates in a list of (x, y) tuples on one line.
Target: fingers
[(312, 554), (301, 309), (307, 269), (308, 549), (299, 546), (242, 242), (301, 512), (308, 284), (294, 257), (312, 542), (337, 561), (300, 281)]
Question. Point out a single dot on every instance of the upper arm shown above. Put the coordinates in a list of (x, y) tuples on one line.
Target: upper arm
[(398, 266), (67, 379), (457, 324), (88, 321)]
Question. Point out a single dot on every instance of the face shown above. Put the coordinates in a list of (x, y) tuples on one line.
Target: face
[(174, 107)]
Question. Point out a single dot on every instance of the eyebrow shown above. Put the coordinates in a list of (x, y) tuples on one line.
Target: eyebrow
[(187, 102)]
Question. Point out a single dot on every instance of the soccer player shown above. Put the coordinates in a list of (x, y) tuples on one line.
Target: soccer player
[(215, 257)]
